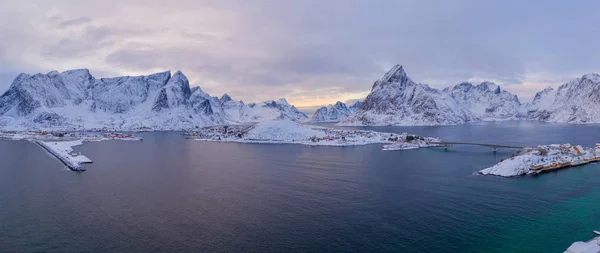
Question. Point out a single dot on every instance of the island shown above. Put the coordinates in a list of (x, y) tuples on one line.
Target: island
[(544, 158), (290, 132)]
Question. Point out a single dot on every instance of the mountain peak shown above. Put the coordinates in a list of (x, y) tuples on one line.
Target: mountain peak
[(225, 98), (356, 105), (395, 73), (53, 73), (592, 77), (283, 101)]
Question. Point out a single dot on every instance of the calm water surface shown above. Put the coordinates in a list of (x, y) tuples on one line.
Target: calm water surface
[(168, 194)]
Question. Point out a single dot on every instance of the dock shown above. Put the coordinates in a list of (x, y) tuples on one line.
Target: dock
[(72, 165)]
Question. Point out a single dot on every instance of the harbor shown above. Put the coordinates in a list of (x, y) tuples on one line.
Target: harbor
[(63, 151), (60, 145)]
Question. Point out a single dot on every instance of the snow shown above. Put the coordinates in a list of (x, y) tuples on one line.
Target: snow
[(544, 155), (61, 145), (286, 131), (397, 100), (334, 113), (240, 113), (591, 246), (75, 100), (487, 101), (282, 130), (412, 145), (573, 102), (64, 149)]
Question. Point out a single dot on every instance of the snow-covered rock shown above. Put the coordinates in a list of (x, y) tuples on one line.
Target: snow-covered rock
[(238, 111), (331, 113), (354, 107), (543, 158), (396, 100), (287, 131), (75, 100), (573, 102), (487, 101)]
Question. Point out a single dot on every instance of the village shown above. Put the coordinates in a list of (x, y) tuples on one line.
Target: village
[(283, 131), (544, 158)]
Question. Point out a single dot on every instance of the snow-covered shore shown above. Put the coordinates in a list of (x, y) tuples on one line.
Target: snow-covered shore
[(63, 150), (65, 136), (60, 144), (543, 158), (286, 131)]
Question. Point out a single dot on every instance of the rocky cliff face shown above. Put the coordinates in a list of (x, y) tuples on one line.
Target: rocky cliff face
[(576, 101), (74, 99), (397, 100), (354, 107), (334, 113), (487, 101)]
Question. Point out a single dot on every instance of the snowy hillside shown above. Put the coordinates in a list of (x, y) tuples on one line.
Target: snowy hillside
[(396, 100), (354, 107), (75, 100), (237, 111), (287, 131), (487, 101), (334, 113), (573, 102)]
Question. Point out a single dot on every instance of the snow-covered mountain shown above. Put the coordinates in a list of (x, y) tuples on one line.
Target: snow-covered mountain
[(487, 101), (396, 100), (354, 107), (237, 111), (75, 99), (331, 113), (576, 101)]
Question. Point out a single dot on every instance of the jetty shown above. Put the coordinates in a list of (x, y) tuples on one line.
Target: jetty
[(64, 154)]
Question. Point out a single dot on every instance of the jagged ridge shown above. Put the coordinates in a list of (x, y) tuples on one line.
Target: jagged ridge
[(75, 99), (334, 113)]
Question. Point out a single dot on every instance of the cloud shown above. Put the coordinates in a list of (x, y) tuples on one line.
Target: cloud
[(313, 52), (74, 22)]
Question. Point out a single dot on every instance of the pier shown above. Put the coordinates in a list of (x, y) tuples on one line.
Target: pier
[(73, 165), (494, 147)]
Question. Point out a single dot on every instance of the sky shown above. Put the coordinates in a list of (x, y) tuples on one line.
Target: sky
[(312, 52)]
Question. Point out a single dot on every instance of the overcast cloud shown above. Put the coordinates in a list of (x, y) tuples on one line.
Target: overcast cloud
[(312, 52)]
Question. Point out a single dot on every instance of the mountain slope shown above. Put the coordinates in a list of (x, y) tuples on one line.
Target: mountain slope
[(487, 101), (396, 100), (74, 99), (573, 102), (354, 107), (238, 111), (333, 113)]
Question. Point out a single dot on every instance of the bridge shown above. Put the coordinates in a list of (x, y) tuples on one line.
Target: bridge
[(495, 147)]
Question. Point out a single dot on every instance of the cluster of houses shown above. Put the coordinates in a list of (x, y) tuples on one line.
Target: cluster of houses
[(218, 132), (118, 136), (327, 138), (562, 156)]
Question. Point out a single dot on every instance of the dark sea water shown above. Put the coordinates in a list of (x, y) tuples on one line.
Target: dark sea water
[(168, 194)]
